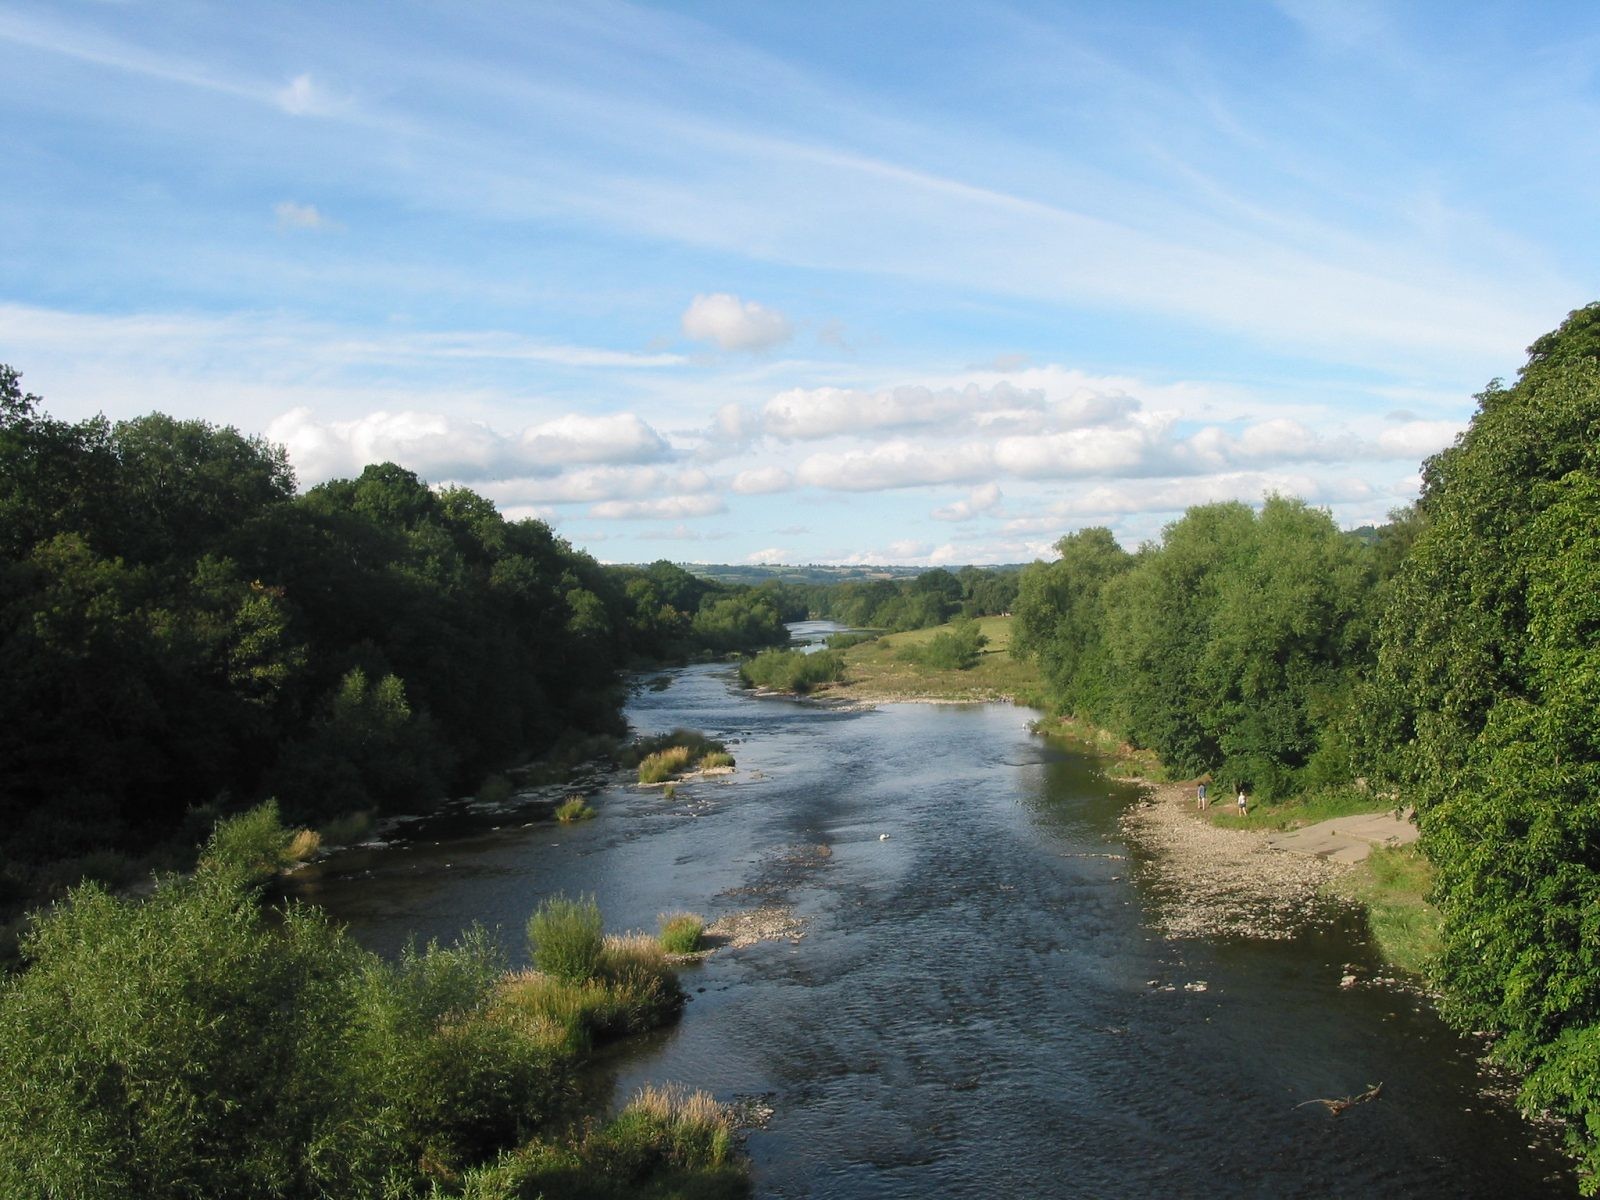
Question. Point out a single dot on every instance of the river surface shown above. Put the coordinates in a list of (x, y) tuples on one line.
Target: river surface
[(978, 1005)]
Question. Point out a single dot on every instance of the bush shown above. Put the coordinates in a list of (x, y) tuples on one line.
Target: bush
[(955, 649), (716, 759), (573, 808), (791, 670), (681, 933), (632, 990), (565, 937), (843, 641)]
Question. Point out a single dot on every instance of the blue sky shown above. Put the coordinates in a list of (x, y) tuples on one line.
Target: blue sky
[(734, 282)]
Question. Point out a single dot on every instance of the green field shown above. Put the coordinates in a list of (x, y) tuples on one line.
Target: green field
[(873, 671)]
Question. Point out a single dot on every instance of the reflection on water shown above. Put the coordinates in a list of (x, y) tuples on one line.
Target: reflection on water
[(977, 1007)]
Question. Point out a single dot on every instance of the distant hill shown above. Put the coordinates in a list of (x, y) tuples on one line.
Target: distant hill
[(813, 573)]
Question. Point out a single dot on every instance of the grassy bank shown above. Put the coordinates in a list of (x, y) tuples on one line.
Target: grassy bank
[(1392, 885), (203, 1042), (879, 670)]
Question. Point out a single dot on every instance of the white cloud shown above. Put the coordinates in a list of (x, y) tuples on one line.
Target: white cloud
[(760, 481), (588, 485), (303, 97), (438, 446), (980, 500), (734, 324), (431, 444), (1417, 440), (292, 216), (896, 464), (772, 556), (573, 439), (806, 414), (665, 508)]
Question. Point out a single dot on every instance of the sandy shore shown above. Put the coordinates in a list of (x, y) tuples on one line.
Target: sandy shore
[(1211, 881)]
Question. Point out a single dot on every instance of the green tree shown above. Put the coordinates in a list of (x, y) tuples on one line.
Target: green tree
[(1060, 621), (1487, 687)]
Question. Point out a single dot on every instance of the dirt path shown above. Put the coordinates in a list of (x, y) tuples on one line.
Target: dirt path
[(1347, 839)]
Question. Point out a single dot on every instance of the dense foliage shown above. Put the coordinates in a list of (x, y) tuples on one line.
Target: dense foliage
[(198, 1044), (1453, 654), (928, 599), (1488, 705), (1232, 647), (180, 631), (791, 670)]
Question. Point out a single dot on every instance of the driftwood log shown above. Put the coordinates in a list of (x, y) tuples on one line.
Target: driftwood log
[(1335, 1107)]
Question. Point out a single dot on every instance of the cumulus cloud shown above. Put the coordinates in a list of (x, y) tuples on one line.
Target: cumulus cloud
[(897, 464), (808, 414), (292, 216), (734, 324), (980, 500), (760, 481), (591, 484), (770, 557), (432, 444), (1417, 439), (664, 508), (615, 438), (439, 446)]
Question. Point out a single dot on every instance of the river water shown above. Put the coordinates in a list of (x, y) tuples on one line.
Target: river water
[(978, 1005)]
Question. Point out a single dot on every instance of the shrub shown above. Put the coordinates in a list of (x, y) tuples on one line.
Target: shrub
[(953, 649), (843, 641), (791, 670), (681, 933), (714, 760), (573, 808), (565, 937)]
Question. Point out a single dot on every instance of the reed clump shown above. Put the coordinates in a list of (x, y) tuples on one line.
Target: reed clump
[(664, 764), (682, 932), (572, 809)]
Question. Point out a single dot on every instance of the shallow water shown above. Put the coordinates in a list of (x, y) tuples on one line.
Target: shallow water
[(978, 1006)]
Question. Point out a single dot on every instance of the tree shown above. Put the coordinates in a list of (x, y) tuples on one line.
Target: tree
[(1060, 620), (1489, 679)]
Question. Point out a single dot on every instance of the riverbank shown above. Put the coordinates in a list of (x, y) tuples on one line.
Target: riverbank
[(1215, 877), (1214, 881)]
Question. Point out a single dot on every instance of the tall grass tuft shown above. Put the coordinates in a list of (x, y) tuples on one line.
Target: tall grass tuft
[(669, 1126), (566, 937), (714, 760), (304, 844), (573, 808), (681, 932), (664, 764)]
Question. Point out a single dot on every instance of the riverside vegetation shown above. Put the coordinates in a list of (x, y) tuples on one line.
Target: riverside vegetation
[(204, 1042), (182, 634), (1450, 659)]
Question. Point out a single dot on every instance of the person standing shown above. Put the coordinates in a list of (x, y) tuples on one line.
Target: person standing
[(1243, 809), (1201, 797)]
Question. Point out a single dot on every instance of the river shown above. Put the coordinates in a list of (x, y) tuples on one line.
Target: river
[(978, 1005)]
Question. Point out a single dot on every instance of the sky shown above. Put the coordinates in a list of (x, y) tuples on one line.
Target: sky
[(804, 283)]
